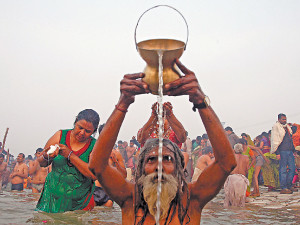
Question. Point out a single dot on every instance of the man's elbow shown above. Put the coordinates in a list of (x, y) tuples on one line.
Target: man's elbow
[(182, 138), (232, 164), (96, 170), (229, 165)]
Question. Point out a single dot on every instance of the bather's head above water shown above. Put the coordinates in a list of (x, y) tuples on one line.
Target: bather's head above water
[(173, 178), (86, 124)]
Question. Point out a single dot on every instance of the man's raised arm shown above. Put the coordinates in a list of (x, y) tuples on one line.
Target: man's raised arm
[(211, 180), (117, 188)]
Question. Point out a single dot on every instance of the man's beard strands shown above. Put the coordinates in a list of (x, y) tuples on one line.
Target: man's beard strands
[(168, 192)]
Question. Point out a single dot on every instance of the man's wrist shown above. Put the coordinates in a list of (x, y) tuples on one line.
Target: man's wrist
[(204, 104)]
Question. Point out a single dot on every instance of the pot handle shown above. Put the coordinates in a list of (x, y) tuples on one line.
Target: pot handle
[(187, 27)]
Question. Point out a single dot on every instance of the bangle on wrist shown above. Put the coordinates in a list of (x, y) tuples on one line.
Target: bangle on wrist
[(48, 160), (120, 109), (68, 158)]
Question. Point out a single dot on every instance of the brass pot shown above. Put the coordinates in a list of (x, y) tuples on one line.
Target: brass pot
[(171, 49), (148, 50)]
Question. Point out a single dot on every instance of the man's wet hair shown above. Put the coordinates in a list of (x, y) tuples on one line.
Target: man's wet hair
[(89, 115), (281, 115), (207, 149), (39, 150), (228, 129), (199, 138), (22, 154), (29, 157), (177, 202), (1, 155), (242, 141), (238, 148), (204, 136), (120, 142)]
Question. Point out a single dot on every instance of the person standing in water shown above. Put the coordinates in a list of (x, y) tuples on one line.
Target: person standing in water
[(38, 174), (204, 161), (70, 184), (236, 184), (282, 144), (173, 129), (181, 202), (3, 168), (19, 173)]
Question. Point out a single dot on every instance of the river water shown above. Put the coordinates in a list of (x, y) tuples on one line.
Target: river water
[(18, 208)]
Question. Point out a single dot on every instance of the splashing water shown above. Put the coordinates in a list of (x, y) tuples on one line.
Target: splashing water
[(160, 131)]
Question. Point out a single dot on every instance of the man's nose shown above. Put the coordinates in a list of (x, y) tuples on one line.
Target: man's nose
[(156, 170)]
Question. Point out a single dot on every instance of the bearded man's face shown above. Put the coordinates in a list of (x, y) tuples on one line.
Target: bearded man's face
[(151, 161), (149, 180)]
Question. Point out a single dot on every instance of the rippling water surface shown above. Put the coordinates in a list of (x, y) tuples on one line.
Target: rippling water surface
[(18, 208)]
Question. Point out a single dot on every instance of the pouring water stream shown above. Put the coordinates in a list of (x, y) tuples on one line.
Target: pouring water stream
[(160, 131)]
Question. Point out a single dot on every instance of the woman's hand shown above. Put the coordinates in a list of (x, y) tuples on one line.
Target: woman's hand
[(50, 156), (186, 85), (167, 107), (154, 109), (64, 150), (131, 85)]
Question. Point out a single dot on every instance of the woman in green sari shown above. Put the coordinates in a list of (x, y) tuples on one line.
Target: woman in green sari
[(70, 184), (270, 172), (248, 151)]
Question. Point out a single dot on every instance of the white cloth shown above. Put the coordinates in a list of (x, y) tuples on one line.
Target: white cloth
[(235, 190), (196, 174), (277, 135), (187, 146)]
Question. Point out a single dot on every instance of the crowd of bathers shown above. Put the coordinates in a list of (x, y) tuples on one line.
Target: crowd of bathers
[(266, 166)]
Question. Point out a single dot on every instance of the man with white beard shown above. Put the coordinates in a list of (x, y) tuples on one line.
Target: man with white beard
[(181, 202)]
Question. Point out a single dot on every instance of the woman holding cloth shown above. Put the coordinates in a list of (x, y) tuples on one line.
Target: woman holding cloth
[(70, 184)]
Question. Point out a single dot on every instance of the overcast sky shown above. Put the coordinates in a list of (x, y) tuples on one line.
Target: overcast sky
[(58, 57)]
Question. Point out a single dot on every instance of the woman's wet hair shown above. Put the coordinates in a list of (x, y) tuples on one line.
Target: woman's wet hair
[(182, 192), (265, 134), (243, 141), (89, 115), (244, 135)]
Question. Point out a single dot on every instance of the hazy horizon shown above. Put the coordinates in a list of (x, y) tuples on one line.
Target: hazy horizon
[(60, 57)]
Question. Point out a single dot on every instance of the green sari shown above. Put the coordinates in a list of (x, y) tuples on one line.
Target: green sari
[(251, 169), (66, 189), (270, 171)]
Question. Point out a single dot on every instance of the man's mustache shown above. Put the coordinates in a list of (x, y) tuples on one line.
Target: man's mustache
[(164, 178)]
